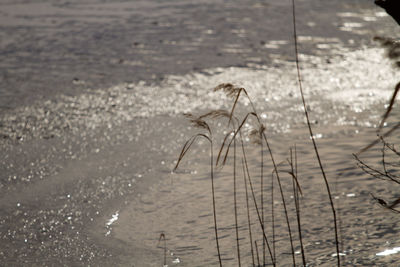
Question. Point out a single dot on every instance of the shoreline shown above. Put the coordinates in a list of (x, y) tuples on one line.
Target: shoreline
[(76, 158), (96, 160)]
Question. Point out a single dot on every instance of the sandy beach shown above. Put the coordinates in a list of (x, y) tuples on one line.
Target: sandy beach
[(91, 101)]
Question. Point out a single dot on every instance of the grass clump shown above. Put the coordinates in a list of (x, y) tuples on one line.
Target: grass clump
[(233, 150), (233, 138)]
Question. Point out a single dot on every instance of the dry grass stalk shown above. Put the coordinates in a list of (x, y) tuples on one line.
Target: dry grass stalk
[(202, 124), (258, 255), (273, 214), (393, 53), (296, 190), (248, 213), (162, 237), (312, 135), (384, 173), (389, 108), (235, 203), (273, 259), (232, 89)]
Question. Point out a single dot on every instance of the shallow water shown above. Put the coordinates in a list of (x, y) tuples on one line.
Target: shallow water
[(86, 174), (52, 47), (347, 109), (180, 207)]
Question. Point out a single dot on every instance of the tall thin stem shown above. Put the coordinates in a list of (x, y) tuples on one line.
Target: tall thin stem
[(213, 201), (258, 255), (248, 213), (255, 204), (297, 201), (287, 218), (235, 202), (162, 237), (312, 135), (282, 196), (262, 197), (273, 215)]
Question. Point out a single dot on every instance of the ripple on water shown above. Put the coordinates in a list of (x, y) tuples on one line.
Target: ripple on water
[(337, 82), (342, 100)]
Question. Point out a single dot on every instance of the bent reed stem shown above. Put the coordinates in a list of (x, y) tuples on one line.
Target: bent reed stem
[(185, 148)]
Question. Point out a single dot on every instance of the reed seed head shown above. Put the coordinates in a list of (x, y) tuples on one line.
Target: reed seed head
[(198, 122), (229, 89)]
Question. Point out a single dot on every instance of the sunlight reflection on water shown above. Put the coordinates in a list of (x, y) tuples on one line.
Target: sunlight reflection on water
[(113, 219), (389, 251)]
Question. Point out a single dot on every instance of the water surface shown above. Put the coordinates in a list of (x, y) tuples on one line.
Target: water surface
[(92, 94)]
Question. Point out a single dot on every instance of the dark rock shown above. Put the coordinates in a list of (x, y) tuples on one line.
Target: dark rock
[(392, 7)]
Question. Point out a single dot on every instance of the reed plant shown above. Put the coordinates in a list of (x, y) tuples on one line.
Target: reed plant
[(264, 254), (164, 247), (234, 137), (328, 190), (392, 47), (387, 171)]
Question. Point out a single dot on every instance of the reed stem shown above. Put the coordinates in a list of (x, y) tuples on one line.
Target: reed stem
[(213, 202), (297, 201), (248, 213), (235, 202), (255, 204), (312, 135)]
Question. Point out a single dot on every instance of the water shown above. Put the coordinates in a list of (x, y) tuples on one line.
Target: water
[(91, 127), (50, 47), (181, 208)]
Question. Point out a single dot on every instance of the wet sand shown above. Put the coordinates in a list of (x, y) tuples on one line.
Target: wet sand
[(92, 96)]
